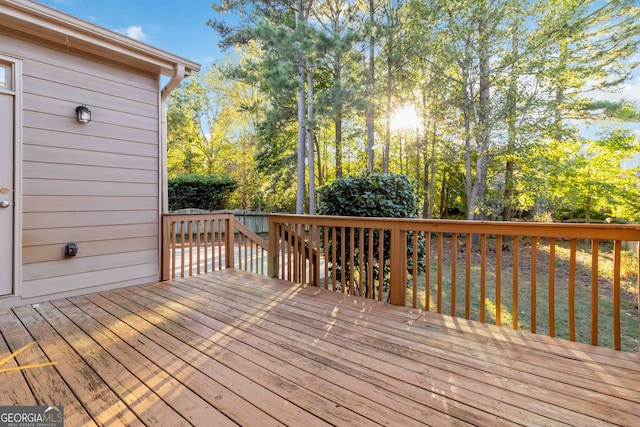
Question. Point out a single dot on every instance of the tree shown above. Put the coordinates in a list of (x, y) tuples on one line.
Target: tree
[(280, 29)]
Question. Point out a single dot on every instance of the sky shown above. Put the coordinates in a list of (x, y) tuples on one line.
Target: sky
[(179, 27)]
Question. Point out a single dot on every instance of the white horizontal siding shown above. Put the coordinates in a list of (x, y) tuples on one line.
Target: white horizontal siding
[(44, 253), (104, 279), (93, 184), (62, 171)]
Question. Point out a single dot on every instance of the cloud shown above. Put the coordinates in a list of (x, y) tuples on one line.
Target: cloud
[(135, 32), (629, 90)]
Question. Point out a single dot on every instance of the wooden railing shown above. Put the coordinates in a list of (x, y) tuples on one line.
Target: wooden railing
[(548, 278), (199, 243)]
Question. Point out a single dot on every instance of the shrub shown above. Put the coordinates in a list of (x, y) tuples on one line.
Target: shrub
[(208, 192), (371, 195)]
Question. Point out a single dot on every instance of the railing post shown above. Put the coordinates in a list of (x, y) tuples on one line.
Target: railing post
[(272, 252), (229, 242), (396, 258), (165, 250)]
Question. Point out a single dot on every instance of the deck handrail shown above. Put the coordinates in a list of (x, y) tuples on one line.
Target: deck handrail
[(199, 243), (346, 241)]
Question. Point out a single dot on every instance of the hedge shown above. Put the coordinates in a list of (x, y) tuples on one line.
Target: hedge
[(208, 192)]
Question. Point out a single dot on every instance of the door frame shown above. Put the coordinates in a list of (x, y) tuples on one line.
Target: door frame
[(17, 169)]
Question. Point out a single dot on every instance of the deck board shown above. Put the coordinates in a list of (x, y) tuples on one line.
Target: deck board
[(537, 381), (234, 348)]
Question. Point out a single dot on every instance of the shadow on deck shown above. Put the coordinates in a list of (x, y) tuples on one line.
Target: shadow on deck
[(234, 348)]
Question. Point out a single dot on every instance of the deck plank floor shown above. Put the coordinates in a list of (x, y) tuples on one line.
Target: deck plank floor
[(234, 348)]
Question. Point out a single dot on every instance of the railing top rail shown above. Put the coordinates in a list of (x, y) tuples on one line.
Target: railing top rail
[(250, 234), (194, 216), (627, 232)]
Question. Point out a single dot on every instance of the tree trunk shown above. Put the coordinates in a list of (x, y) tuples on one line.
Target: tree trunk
[(337, 75), (300, 193), (310, 160), (466, 109), (484, 125), (443, 198), (320, 171), (509, 182), (387, 137), (371, 81), (433, 170), (425, 193)]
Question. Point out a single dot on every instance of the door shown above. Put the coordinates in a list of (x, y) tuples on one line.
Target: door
[(6, 179)]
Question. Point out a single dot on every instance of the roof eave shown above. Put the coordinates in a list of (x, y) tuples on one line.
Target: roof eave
[(50, 24)]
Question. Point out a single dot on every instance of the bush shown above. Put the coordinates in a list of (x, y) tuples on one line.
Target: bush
[(375, 195), (206, 192)]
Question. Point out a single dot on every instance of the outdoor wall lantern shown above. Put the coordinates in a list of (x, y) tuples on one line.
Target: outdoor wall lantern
[(84, 114)]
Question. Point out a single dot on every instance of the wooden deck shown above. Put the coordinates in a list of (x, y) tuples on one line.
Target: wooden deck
[(233, 348)]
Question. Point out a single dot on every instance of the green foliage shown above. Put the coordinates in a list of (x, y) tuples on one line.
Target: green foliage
[(623, 110), (371, 195), (500, 89), (206, 192)]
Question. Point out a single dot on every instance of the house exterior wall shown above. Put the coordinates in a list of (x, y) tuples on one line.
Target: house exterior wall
[(94, 184)]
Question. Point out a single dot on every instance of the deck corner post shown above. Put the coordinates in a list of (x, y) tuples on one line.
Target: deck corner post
[(229, 241), (396, 258), (164, 250), (272, 253)]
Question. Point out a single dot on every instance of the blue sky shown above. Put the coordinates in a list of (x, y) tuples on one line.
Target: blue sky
[(179, 27)]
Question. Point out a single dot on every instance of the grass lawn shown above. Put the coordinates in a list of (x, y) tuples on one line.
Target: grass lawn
[(583, 288)]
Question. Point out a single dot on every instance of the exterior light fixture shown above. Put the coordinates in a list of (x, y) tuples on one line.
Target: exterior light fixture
[(84, 114)]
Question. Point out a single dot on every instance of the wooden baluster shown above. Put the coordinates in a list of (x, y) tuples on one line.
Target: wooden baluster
[(296, 254), (534, 281), (515, 272), (206, 246), (182, 251), (198, 245), (439, 279), (303, 256), (572, 290), (190, 231), (427, 272), (370, 282), (290, 254), (334, 253), (343, 255), (280, 249), (319, 255), (173, 249), (552, 280), (498, 279), (467, 279), (381, 266), (361, 262), (325, 238), (352, 255), (454, 267), (594, 290), (220, 244), (416, 269), (245, 244), (617, 246), (483, 274)]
